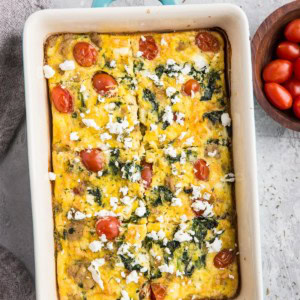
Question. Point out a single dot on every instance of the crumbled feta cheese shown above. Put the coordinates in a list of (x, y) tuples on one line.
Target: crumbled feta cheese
[(117, 127), (79, 216), (132, 277), (110, 246), (90, 123), (183, 218), (52, 176), (199, 205), (230, 177), (162, 138), (141, 210), (166, 269), (182, 135), (186, 69), (124, 190), (94, 269), (206, 196), (163, 42), (74, 136), (160, 219), (90, 199), (180, 118), (212, 154), (105, 136), (113, 202), (104, 213), (196, 194), (231, 276), (171, 61), (48, 71), (143, 38), (125, 295), (67, 65), (110, 107), (127, 69), (153, 127), (179, 274), (182, 236), (170, 151), (170, 91), (176, 202), (123, 274), (180, 79), (113, 64), (161, 235), (100, 99), (103, 238), (82, 115), (168, 251), (189, 141), (200, 62), (153, 77), (225, 118), (139, 54), (95, 246), (128, 143), (118, 280), (215, 246), (127, 200), (175, 99), (153, 235)]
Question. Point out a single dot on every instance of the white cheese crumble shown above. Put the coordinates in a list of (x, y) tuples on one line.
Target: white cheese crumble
[(141, 210), (170, 151), (121, 51), (74, 136), (143, 38), (206, 196), (181, 235), (52, 176), (162, 138), (166, 269), (48, 71), (160, 219), (153, 77), (176, 202), (189, 141), (128, 143), (113, 64), (163, 42), (182, 135), (94, 269), (180, 118), (80, 216), (104, 213), (231, 276), (215, 246), (110, 246), (124, 190), (153, 127), (105, 136), (132, 277), (100, 99), (127, 200), (114, 202), (186, 69), (125, 295), (139, 54), (230, 177), (183, 218), (199, 205), (117, 127), (67, 65), (170, 91), (90, 123), (95, 246), (225, 118), (212, 154), (200, 62), (196, 194)]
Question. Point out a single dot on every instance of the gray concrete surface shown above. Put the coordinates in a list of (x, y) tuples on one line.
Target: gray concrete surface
[(278, 152)]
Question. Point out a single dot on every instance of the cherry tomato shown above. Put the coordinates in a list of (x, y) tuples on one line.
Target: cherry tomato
[(93, 159), (278, 71), (278, 96), (85, 54), (292, 31), (207, 42), (288, 50), (293, 86), (224, 258), (104, 84), (201, 170), (296, 107), (62, 99), (147, 174), (158, 291), (148, 46), (190, 86), (108, 226), (297, 68)]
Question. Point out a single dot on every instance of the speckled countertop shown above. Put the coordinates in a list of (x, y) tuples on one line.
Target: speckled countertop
[(278, 159)]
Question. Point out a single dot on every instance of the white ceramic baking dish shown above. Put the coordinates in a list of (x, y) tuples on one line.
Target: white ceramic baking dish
[(132, 19)]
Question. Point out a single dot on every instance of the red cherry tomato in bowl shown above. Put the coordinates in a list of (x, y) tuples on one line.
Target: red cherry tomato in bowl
[(201, 170), (296, 107), (93, 159), (292, 31), (62, 99), (293, 86), (297, 68), (146, 174), (278, 95), (85, 54), (278, 71), (109, 226), (288, 50)]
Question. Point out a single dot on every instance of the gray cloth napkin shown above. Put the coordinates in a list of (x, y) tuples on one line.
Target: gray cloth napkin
[(15, 281), (12, 107)]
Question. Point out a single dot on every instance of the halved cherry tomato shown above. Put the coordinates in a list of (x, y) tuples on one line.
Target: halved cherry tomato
[(93, 159), (207, 42), (85, 54), (293, 86), (148, 46), (62, 99), (201, 170), (296, 107), (288, 50), (292, 31), (146, 174), (108, 226), (224, 258), (190, 86), (297, 68), (158, 291), (278, 71), (104, 83), (278, 96)]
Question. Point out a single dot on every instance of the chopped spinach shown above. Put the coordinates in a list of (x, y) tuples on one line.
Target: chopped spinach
[(201, 261), (129, 80), (189, 267), (201, 225), (118, 103), (221, 142), (198, 75), (211, 86), (148, 95), (214, 116), (130, 264), (129, 171), (138, 66), (159, 71), (81, 98), (188, 191), (163, 195), (96, 192), (113, 162), (155, 275), (172, 160), (74, 115)]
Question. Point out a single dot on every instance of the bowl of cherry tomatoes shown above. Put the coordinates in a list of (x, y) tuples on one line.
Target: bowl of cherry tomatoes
[(276, 65)]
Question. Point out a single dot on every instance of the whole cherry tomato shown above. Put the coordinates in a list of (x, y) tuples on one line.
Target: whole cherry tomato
[(85, 54), (278, 71), (62, 99), (146, 174), (108, 226), (278, 96), (148, 46), (292, 31), (224, 258), (93, 159), (201, 170), (190, 86), (158, 291), (296, 107), (104, 83), (297, 68), (207, 42), (293, 86), (288, 50)]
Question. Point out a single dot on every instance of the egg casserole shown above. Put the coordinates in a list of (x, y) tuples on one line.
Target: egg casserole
[(142, 171)]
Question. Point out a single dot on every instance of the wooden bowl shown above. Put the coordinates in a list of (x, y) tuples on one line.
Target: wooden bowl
[(264, 42)]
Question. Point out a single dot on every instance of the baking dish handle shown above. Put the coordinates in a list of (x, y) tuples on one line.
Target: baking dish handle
[(103, 3)]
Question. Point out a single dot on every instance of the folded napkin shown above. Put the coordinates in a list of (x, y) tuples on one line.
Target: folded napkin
[(12, 107)]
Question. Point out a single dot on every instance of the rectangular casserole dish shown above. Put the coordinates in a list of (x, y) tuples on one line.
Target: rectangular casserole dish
[(229, 18)]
